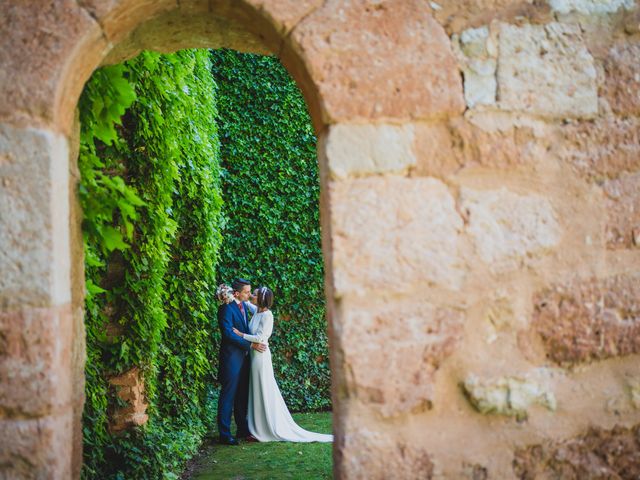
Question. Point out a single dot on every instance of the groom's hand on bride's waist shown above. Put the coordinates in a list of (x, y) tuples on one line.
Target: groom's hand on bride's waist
[(260, 347)]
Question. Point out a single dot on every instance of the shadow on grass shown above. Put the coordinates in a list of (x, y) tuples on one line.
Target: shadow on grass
[(267, 460)]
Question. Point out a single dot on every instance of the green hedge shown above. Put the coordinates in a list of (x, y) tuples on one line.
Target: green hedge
[(153, 132), (150, 193), (271, 216)]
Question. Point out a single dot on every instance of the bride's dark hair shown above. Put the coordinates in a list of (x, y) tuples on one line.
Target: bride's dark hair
[(265, 297)]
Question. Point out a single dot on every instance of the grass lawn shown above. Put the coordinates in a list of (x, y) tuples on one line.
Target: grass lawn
[(268, 460)]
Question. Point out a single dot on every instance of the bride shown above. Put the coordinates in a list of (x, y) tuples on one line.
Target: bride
[(269, 418)]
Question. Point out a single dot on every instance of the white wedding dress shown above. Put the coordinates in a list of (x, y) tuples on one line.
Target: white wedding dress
[(269, 418)]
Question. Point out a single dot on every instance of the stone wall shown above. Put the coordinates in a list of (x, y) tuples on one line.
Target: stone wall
[(480, 169)]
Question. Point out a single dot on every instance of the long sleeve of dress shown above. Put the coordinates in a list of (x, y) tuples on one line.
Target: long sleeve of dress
[(264, 331)]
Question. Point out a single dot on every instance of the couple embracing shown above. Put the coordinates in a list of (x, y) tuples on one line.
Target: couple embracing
[(249, 387)]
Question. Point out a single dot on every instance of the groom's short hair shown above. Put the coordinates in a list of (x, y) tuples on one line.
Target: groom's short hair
[(239, 283)]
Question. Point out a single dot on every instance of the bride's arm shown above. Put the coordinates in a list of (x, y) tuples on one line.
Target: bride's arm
[(264, 330)]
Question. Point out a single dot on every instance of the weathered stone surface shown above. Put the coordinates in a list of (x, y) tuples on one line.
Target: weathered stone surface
[(622, 79), (590, 7), (35, 362), (38, 448), (34, 211), (369, 455), (506, 226), (510, 396), (118, 18), (598, 454), (584, 320), (623, 211), (382, 60), (285, 14), (52, 35), (601, 149), (458, 15), (421, 332), (366, 149), (130, 389), (444, 148), (477, 55), (394, 229), (546, 71)]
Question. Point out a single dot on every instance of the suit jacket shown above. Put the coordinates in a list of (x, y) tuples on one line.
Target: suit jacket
[(233, 348)]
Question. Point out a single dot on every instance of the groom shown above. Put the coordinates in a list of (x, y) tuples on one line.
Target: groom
[(235, 363)]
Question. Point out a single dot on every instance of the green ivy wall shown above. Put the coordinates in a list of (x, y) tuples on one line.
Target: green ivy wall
[(164, 139)]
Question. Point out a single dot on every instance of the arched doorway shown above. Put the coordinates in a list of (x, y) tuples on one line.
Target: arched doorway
[(355, 94)]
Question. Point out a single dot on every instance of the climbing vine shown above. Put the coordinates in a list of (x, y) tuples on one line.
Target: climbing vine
[(271, 217), (151, 199), (153, 133)]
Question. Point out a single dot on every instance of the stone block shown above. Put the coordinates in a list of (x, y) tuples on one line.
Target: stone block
[(459, 15), (593, 319), (394, 231), (590, 7), (506, 227), (64, 44), (118, 18), (379, 60), (477, 56), (285, 14), (34, 211), (623, 211), (370, 455), (546, 71), (354, 150), (35, 361), (399, 379), (36, 448), (510, 396), (596, 454), (601, 149), (622, 79), (444, 148)]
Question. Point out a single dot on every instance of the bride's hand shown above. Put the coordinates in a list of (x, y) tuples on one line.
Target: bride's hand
[(238, 332)]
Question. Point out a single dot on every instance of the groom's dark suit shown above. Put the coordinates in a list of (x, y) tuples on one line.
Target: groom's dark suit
[(233, 371)]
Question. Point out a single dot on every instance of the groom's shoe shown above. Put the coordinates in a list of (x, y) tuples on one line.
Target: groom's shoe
[(250, 438), (229, 441)]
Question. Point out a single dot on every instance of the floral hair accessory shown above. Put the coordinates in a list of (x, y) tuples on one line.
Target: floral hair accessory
[(224, 293)]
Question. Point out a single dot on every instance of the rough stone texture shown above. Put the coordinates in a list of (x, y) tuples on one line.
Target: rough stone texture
[(130, 389), (379, 60), (601, 149), (511, 396), (506, 226), (584, 320), (458, 15), (546, 71), (622, 83), (380, 457), (425, 334), (118, 18), (34, 211), (477, 54), (285, 14), (223, 27), (35, 366), (366, 149), (598, 454), (63, 42), (443, 149), (623, 211), (36, 448), (394, 229), (589, 7)]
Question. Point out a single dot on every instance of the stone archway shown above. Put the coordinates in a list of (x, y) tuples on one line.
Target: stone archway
[(42, 289), (473, 234)]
